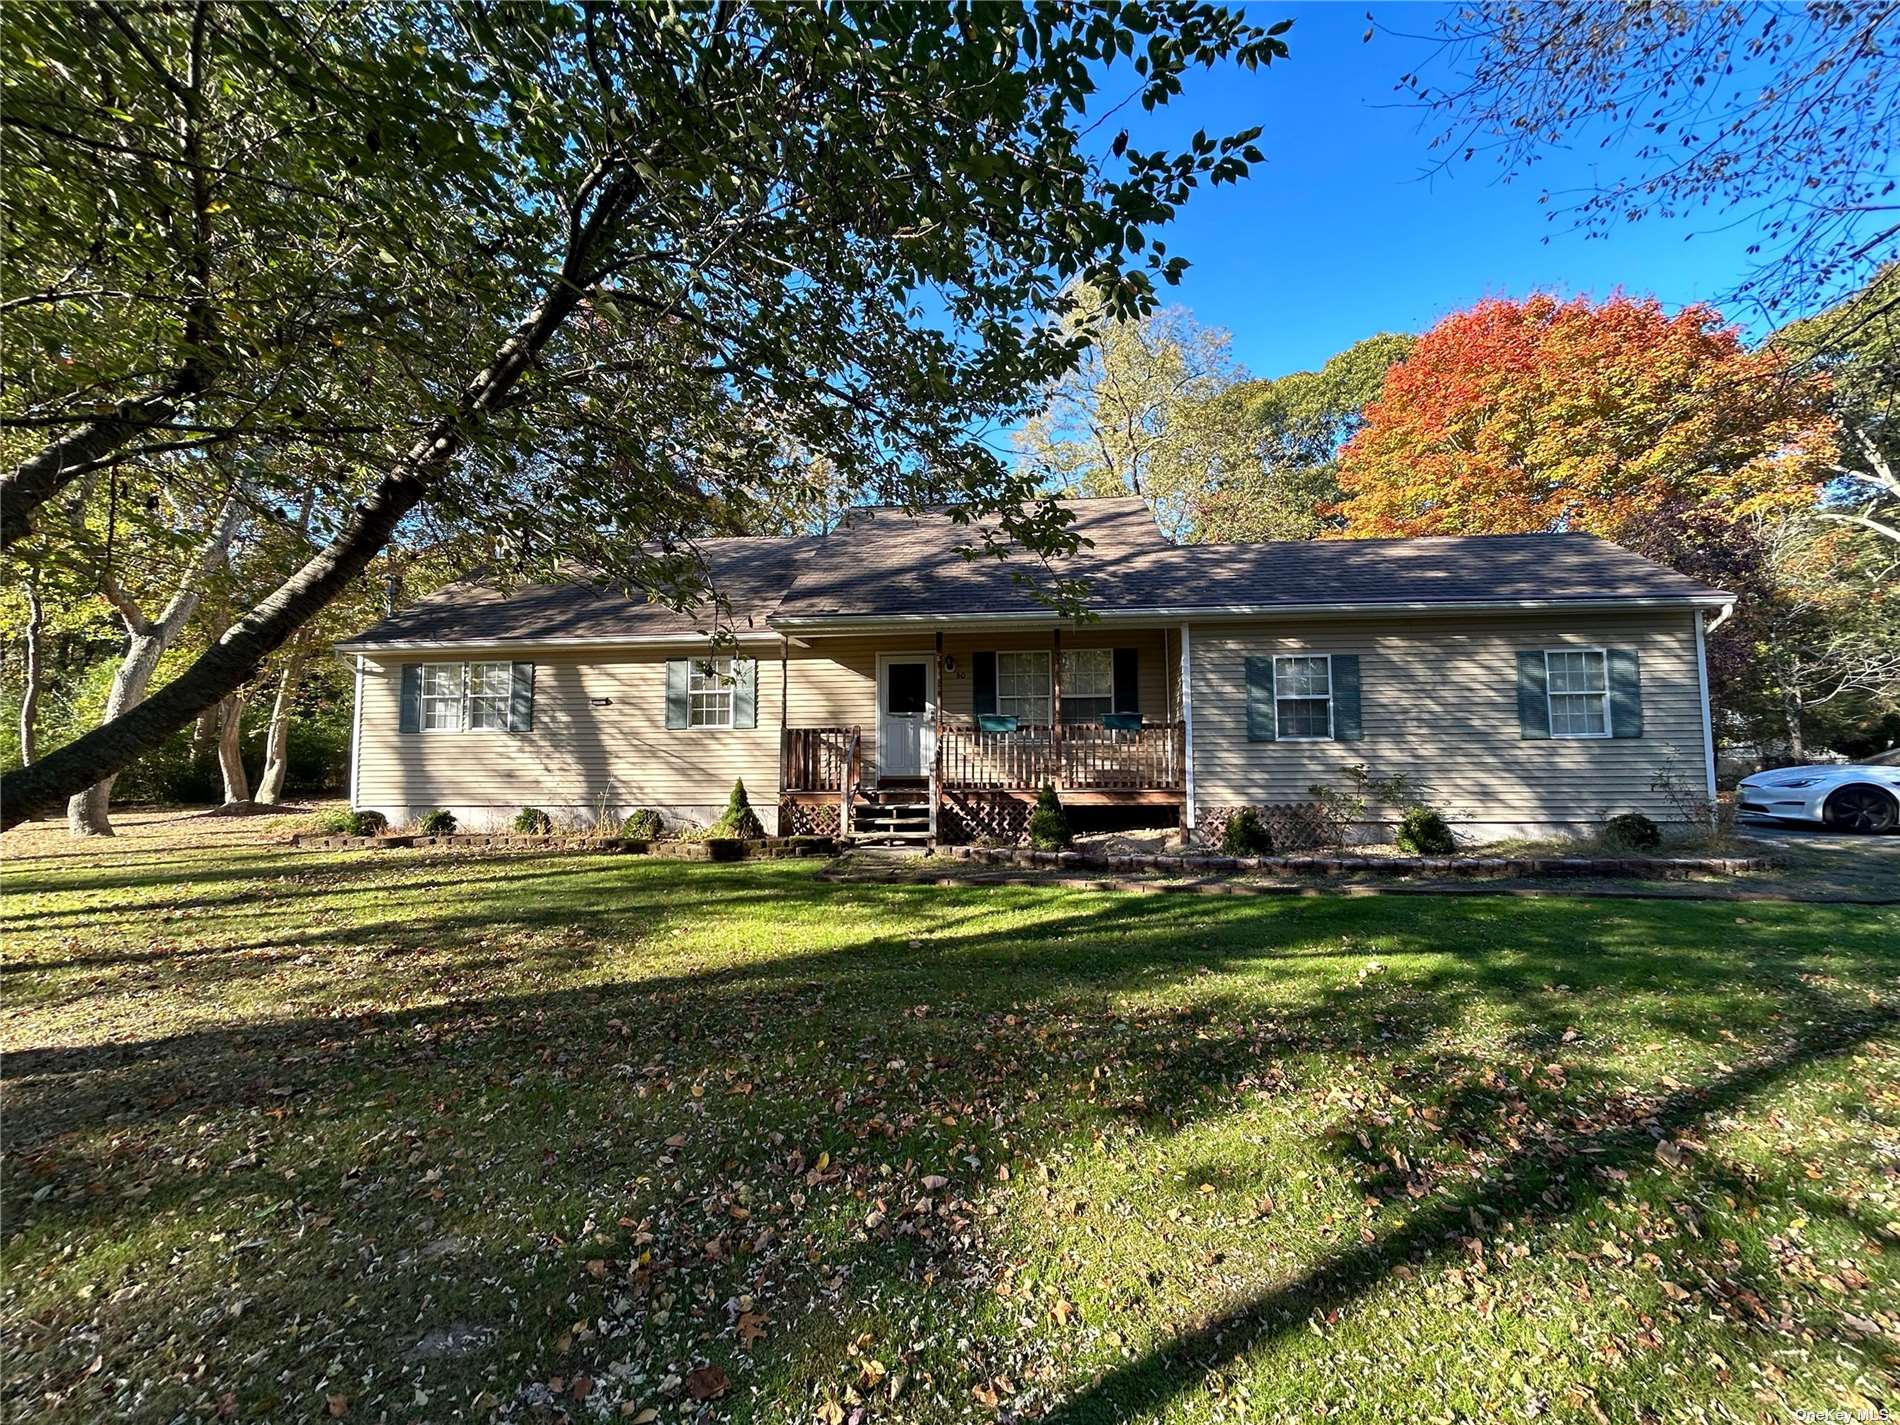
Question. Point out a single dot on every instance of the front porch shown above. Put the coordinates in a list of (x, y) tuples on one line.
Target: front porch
[(977, 765)]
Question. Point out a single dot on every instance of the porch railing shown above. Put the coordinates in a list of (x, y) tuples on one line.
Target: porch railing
[(1079, 756), (817, 759)]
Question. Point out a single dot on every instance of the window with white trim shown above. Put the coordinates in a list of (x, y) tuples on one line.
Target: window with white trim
[(709, 685), (1088, 684), (467, 697), (1577, 683), (442, 697), (1303, 697), (491, 688), (1022, 686)]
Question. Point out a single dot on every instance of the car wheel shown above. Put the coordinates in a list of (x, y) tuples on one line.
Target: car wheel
[(1861, 809)]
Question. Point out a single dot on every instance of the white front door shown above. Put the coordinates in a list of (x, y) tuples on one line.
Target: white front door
[(904, 715)]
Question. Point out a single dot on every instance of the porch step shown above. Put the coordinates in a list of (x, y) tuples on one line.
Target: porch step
[(890, 821)]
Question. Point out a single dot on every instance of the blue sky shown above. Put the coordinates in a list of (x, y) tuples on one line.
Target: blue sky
[(1338, 235)]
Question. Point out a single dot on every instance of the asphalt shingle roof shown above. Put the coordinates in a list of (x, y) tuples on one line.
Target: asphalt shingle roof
[(890, 563)]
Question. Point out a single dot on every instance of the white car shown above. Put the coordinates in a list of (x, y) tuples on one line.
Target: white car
[(1849, 796)]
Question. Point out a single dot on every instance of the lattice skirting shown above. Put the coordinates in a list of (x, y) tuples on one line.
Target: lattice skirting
[(808, 818), (963, 817), (1294, 826)]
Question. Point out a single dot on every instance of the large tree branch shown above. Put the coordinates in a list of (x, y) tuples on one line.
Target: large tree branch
[(234, 659), (39, 477)]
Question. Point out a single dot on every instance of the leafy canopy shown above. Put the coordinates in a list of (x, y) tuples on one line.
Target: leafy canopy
[(1514, 417)]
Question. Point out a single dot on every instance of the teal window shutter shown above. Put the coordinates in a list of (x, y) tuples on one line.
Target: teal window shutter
[(1260, 717), (1626, 693), (1346, 698), (1533, 702), (521, 700), (676, 692), (983, 684), (411, 716), (745, 692)]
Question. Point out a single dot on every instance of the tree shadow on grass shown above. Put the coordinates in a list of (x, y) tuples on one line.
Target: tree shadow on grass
[(1551, 1180), (811, 1091)]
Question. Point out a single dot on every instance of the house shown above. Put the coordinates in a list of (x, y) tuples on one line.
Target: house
[(874, 680)]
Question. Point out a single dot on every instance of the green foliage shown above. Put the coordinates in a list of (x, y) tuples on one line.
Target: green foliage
[(1296, 425), (344, 822), (1049, 828), (440, 822), (1423, 831), (532, 821), (1246, 835), (738, 820), (1632, 831), (644, 825)]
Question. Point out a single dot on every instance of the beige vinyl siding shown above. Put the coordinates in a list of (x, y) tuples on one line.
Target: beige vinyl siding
[(577, 754), (1438, 702)]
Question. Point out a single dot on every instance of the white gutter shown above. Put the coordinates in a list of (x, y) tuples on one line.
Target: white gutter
[(1187, 723), (356, 739), (818, 623)]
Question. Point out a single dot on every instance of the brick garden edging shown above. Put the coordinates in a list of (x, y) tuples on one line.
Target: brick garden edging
[(717, 848), (1649, 867)]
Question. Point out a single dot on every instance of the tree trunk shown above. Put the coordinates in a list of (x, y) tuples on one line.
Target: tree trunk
[(87, 812), (30, 694), (202, 732), (1791, 714), (233, 660), (237, 786), (270, 786)]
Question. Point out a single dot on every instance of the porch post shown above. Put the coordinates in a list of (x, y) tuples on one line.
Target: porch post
[(936, 736), (1055, 702), (1187, 723)]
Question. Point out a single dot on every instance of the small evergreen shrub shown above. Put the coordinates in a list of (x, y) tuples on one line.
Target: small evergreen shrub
[(1424, 832), (439, 822), (1632, 831), (532, 821), (738, 820), (344, 822), (1049, 823), (644, 825), (1246, 835)]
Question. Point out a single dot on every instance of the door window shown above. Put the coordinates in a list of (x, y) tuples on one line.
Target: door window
[(905, 687)]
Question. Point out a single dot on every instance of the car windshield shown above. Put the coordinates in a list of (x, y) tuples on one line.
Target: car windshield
[(1889, 758)]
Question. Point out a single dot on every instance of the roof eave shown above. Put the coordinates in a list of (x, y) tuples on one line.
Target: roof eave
[(818, 623), (504, 645)]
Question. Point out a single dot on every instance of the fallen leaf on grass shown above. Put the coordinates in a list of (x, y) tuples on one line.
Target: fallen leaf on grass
[(707, 1383)]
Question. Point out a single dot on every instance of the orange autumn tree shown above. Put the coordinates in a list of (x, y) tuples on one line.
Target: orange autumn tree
[(1544, 414)]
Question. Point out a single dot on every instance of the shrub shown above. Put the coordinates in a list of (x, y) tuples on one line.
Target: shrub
[(344, 822), (1632, 831), (1337, 811), (643, 825), (738, 820), (1425, 832), (532, 821), (1246, 835), (437, 823), (1049, 823)]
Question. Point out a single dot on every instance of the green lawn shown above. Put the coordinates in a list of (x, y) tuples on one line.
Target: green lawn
[(397, 1136)]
